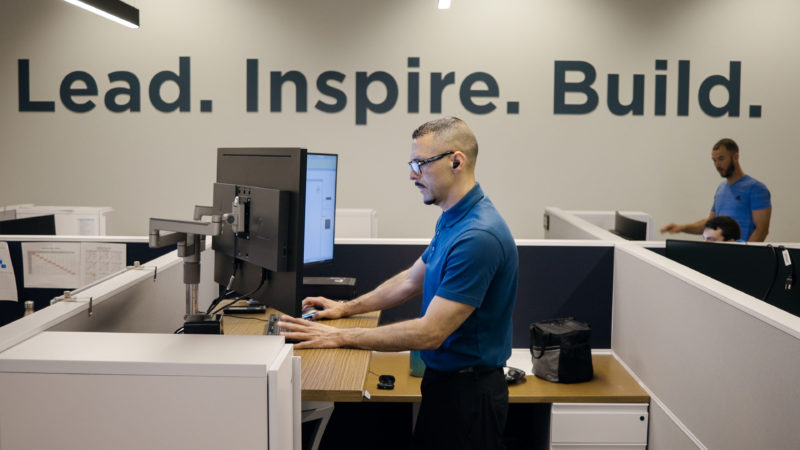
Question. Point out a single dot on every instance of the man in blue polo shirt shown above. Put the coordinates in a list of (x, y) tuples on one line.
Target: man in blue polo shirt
[(468, 280), (740, 196)]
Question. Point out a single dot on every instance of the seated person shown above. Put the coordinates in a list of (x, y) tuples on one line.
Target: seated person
[(722, 229)]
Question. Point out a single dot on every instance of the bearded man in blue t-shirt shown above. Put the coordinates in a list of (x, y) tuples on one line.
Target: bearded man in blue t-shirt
[(740, 196), (468, 280)]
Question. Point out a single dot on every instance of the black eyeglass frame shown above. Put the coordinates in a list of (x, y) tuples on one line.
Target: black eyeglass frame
[(416, 166)]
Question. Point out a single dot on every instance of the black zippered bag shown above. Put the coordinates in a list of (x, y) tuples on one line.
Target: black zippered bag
[(560, 350)]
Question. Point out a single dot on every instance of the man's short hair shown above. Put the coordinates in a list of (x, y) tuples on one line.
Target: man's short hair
[(453, 132), (728, 225), (729, 145)]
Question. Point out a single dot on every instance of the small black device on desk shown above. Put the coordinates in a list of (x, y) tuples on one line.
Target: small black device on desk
[(513, 375)]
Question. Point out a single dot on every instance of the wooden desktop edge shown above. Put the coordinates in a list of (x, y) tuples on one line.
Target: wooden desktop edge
[(611, 384), (343, 375), (333, 375)]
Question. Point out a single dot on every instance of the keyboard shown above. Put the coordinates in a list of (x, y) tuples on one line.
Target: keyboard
[(272, 328)]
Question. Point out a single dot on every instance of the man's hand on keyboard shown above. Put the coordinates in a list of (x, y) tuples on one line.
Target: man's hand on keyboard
[(312, 334)]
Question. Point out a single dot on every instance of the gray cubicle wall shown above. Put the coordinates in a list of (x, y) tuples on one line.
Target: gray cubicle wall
[(721, 366), (136, 249), (154, 304), (560, 224), (148, 299), (557, 279)]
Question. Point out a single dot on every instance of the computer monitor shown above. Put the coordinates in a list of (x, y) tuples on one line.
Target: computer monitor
[(267, 189), (630, 229), (748, 268), (320, 208), (758, 270), (38, 225)]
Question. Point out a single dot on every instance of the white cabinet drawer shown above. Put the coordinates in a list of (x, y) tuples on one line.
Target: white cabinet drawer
[(580, 424)]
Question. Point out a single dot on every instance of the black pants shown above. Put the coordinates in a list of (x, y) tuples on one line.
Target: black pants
[(462, 410)]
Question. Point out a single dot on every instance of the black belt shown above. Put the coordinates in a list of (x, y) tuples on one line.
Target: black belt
[(472, 369)]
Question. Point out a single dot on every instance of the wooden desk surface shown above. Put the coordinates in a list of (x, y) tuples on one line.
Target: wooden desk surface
[(328, 375), (611, 384)]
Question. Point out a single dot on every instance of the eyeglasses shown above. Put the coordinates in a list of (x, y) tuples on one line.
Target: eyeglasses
[(416, 166)]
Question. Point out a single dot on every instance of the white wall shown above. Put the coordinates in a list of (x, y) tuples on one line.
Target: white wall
[(155, 164)]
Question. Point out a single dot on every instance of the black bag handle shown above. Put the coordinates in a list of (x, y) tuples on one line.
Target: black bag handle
[(536, 331)]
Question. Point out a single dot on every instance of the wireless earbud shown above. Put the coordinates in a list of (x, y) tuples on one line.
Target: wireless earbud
[(456, 164)]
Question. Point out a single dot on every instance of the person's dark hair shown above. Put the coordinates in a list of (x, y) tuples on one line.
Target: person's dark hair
[(729, 145), (453, 132), (728, 225)]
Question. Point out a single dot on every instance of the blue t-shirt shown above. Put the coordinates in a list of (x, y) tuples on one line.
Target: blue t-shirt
[(739, 199), (472, 259)]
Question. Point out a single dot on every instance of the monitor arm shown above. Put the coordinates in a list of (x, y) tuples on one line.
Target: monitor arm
[(190, 237)]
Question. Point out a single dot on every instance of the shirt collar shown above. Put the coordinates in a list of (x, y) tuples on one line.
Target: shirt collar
[(460, 209)]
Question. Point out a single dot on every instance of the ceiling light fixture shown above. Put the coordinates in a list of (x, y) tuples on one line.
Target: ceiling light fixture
[(115, 10), (444, 4)]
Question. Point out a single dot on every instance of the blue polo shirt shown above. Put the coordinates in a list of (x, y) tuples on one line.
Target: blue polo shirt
[(739, 199), (472, 259)]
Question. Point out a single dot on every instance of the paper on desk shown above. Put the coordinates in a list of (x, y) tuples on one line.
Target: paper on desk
[(8, 285)]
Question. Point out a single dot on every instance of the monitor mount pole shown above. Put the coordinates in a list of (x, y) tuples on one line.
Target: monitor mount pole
[(190, 237)]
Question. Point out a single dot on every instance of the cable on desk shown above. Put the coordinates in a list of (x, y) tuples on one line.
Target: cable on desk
[(228, 290), (249, 294), (216, 301)]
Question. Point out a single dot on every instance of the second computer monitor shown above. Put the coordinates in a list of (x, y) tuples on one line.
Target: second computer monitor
[(320, 212)]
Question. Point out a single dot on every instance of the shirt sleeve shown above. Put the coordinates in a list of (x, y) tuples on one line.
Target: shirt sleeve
[(760, 197), (426, 254), (471, 265)]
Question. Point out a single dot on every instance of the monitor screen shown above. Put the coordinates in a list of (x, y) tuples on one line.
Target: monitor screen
[(320, 208)]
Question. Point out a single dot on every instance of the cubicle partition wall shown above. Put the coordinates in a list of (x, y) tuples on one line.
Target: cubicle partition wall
[(560, 224), (148, 299), (136, 248), (557, 279), (602, 225), (721, 366), (608, 220), (153, 302), (105, 370)]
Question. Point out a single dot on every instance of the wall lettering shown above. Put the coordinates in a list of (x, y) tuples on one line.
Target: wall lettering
[(378, 92)]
